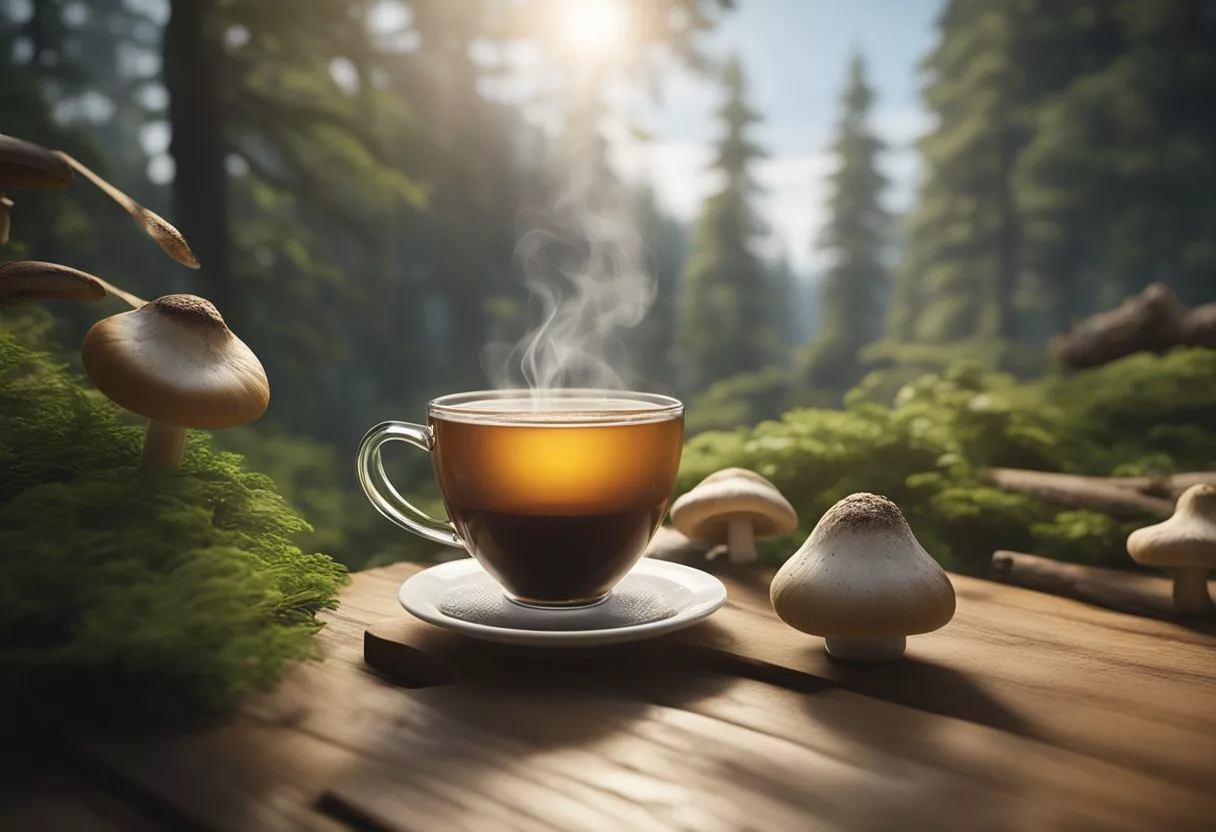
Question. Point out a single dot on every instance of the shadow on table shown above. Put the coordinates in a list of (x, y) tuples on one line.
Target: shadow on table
[(497, 731), (910, 681)]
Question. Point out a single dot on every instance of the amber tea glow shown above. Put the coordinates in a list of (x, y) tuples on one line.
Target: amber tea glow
[(557, 503)]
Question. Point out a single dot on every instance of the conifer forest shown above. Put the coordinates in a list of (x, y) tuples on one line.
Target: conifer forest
[(381, 215)]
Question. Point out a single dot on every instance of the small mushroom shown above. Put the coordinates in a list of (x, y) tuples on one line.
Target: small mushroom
[(154, 225), (26, 166), (30, 281), (175, 361), (734, 506), (1185, 544), (30, 167), (863, 582)]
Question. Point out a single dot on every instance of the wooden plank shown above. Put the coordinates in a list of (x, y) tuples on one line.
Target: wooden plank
[(1129, 690), (1133, 691), (57, 799), (996, 716), (712, 753), (239, 776)]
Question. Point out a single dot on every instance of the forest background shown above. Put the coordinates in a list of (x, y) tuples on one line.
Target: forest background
[(366, 204)]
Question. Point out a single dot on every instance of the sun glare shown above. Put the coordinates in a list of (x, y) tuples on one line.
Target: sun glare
[(593, 24)]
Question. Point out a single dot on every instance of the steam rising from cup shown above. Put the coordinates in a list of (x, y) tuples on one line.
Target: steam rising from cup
[(582, 263)]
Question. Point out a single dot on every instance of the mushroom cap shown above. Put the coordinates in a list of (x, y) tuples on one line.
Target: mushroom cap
[(862, 575), (27, 281), (1187, 538), (27, 166), (175, 361), (704, 512)]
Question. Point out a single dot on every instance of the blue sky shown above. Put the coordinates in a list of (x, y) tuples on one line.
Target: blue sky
[(795, 53)]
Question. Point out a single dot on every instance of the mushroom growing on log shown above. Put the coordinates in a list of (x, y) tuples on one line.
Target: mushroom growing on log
[(175, 362)]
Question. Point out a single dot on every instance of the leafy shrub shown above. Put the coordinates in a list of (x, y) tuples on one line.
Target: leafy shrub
[(1142, 414), (124, 592), (737, 401)]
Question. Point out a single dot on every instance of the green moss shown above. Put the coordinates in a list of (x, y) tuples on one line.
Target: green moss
[(149, 594), (1145, 414)]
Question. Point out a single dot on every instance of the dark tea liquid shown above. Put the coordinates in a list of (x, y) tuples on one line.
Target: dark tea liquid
[(557, 512)]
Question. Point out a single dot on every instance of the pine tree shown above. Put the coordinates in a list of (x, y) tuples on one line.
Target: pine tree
[(853, 294), (959, 274), (726, 303), (1117, 186), (651, 344)]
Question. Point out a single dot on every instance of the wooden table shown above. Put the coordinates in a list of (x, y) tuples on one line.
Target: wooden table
[(1027, 712)]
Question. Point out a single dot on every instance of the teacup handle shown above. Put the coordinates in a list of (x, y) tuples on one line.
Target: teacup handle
[(381, 492)]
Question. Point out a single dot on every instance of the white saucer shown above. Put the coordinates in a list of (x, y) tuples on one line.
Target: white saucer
[(656, 597)]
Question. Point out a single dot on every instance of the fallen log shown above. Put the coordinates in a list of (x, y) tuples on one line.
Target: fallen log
[(1151, 321), (1074, 491), (1144, 595), (1165, 485), (1199, 326)]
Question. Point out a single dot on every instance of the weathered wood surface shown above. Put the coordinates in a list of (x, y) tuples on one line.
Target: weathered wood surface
[(1026, 712)]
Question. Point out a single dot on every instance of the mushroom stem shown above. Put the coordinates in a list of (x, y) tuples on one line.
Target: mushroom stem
[(866, 650), (163, 445), (153, 224), (1191, 591), (740, 539)]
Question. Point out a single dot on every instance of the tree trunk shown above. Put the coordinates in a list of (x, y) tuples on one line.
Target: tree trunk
[(193, 67), (1007, 252)]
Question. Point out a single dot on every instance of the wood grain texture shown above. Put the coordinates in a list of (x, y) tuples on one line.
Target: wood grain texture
[(994, 722), (1133, 691), (60, 799)]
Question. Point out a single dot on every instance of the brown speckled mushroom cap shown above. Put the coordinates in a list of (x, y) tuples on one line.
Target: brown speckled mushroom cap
[(704, 512), (175, 361), (27, 166), (862, 575), (29, 281)]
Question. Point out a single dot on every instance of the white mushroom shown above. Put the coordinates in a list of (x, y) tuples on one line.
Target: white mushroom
[(1185, 544), (177, 363), (863, 582), (734, 506)]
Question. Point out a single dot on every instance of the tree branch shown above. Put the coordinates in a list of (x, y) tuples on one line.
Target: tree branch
[(1094, 493), (1144, 595)]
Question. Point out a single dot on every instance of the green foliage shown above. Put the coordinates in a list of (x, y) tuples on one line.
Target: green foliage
[(318, 481), (853, 294), (137, 594), (1067, 169), (729, 304), (738, 401), (1144, 413)]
